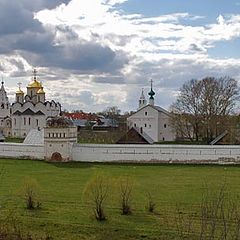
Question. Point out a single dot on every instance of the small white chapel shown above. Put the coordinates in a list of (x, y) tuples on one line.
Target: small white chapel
[(152, 120)]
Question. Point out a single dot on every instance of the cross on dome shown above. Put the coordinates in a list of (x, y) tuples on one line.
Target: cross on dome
[(19, 84), (34, 73), (151, 93)]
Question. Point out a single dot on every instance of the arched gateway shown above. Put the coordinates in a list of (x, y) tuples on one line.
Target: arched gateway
[(56, 157)]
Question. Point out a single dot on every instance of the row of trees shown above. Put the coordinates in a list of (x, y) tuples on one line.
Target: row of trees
[(204, 108)]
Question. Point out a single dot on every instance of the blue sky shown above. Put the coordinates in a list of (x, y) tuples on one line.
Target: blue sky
[(208, 8), (98, 53)]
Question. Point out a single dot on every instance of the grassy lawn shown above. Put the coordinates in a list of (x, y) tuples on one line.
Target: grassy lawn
[(65, 213)]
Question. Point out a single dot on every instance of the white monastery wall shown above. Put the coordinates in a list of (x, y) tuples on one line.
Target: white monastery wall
[(20, 150), (155, 153), (134, 153)]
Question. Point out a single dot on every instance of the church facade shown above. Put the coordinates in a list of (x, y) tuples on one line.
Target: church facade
[(152, 120), (29, 111)]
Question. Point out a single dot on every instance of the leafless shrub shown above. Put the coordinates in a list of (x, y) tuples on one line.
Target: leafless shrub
[(97, 191), (151, 204), (183, 223), (30, 190), (218, 218), (126, 187)]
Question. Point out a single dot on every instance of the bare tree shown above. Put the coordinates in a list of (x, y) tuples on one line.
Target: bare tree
[(204, 105), (97, 193), (112, 112), (126, 186)]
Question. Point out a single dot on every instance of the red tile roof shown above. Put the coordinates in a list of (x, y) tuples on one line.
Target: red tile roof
[(81, 115)]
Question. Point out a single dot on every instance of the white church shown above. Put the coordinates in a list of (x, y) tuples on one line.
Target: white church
[(152, 120), (29, 111)]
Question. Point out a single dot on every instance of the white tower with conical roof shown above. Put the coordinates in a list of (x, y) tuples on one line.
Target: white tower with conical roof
[(4, 103), (5, 121), (142, 100)]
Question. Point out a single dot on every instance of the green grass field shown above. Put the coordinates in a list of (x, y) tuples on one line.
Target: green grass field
[(65, 213)]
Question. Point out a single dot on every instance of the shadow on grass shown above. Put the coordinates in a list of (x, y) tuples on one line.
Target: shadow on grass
[(71, 164), (146, 164)]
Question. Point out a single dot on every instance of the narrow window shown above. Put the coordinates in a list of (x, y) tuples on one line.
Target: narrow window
[(163, 139), (37, 122), (165, 125), (29, 121), (145, 113), (145, 125), (135, 124), (24, 121)]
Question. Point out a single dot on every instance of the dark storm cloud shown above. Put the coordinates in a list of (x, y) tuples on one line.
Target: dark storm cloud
[(36, 5), (21, 33), (14, 18), (18, 16), (82, 56), (110, 79)]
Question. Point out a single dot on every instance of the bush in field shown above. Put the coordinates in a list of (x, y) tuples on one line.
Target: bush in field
[(125, 194), (31, 194), (97, 191), (151, 203), (218, 218)]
